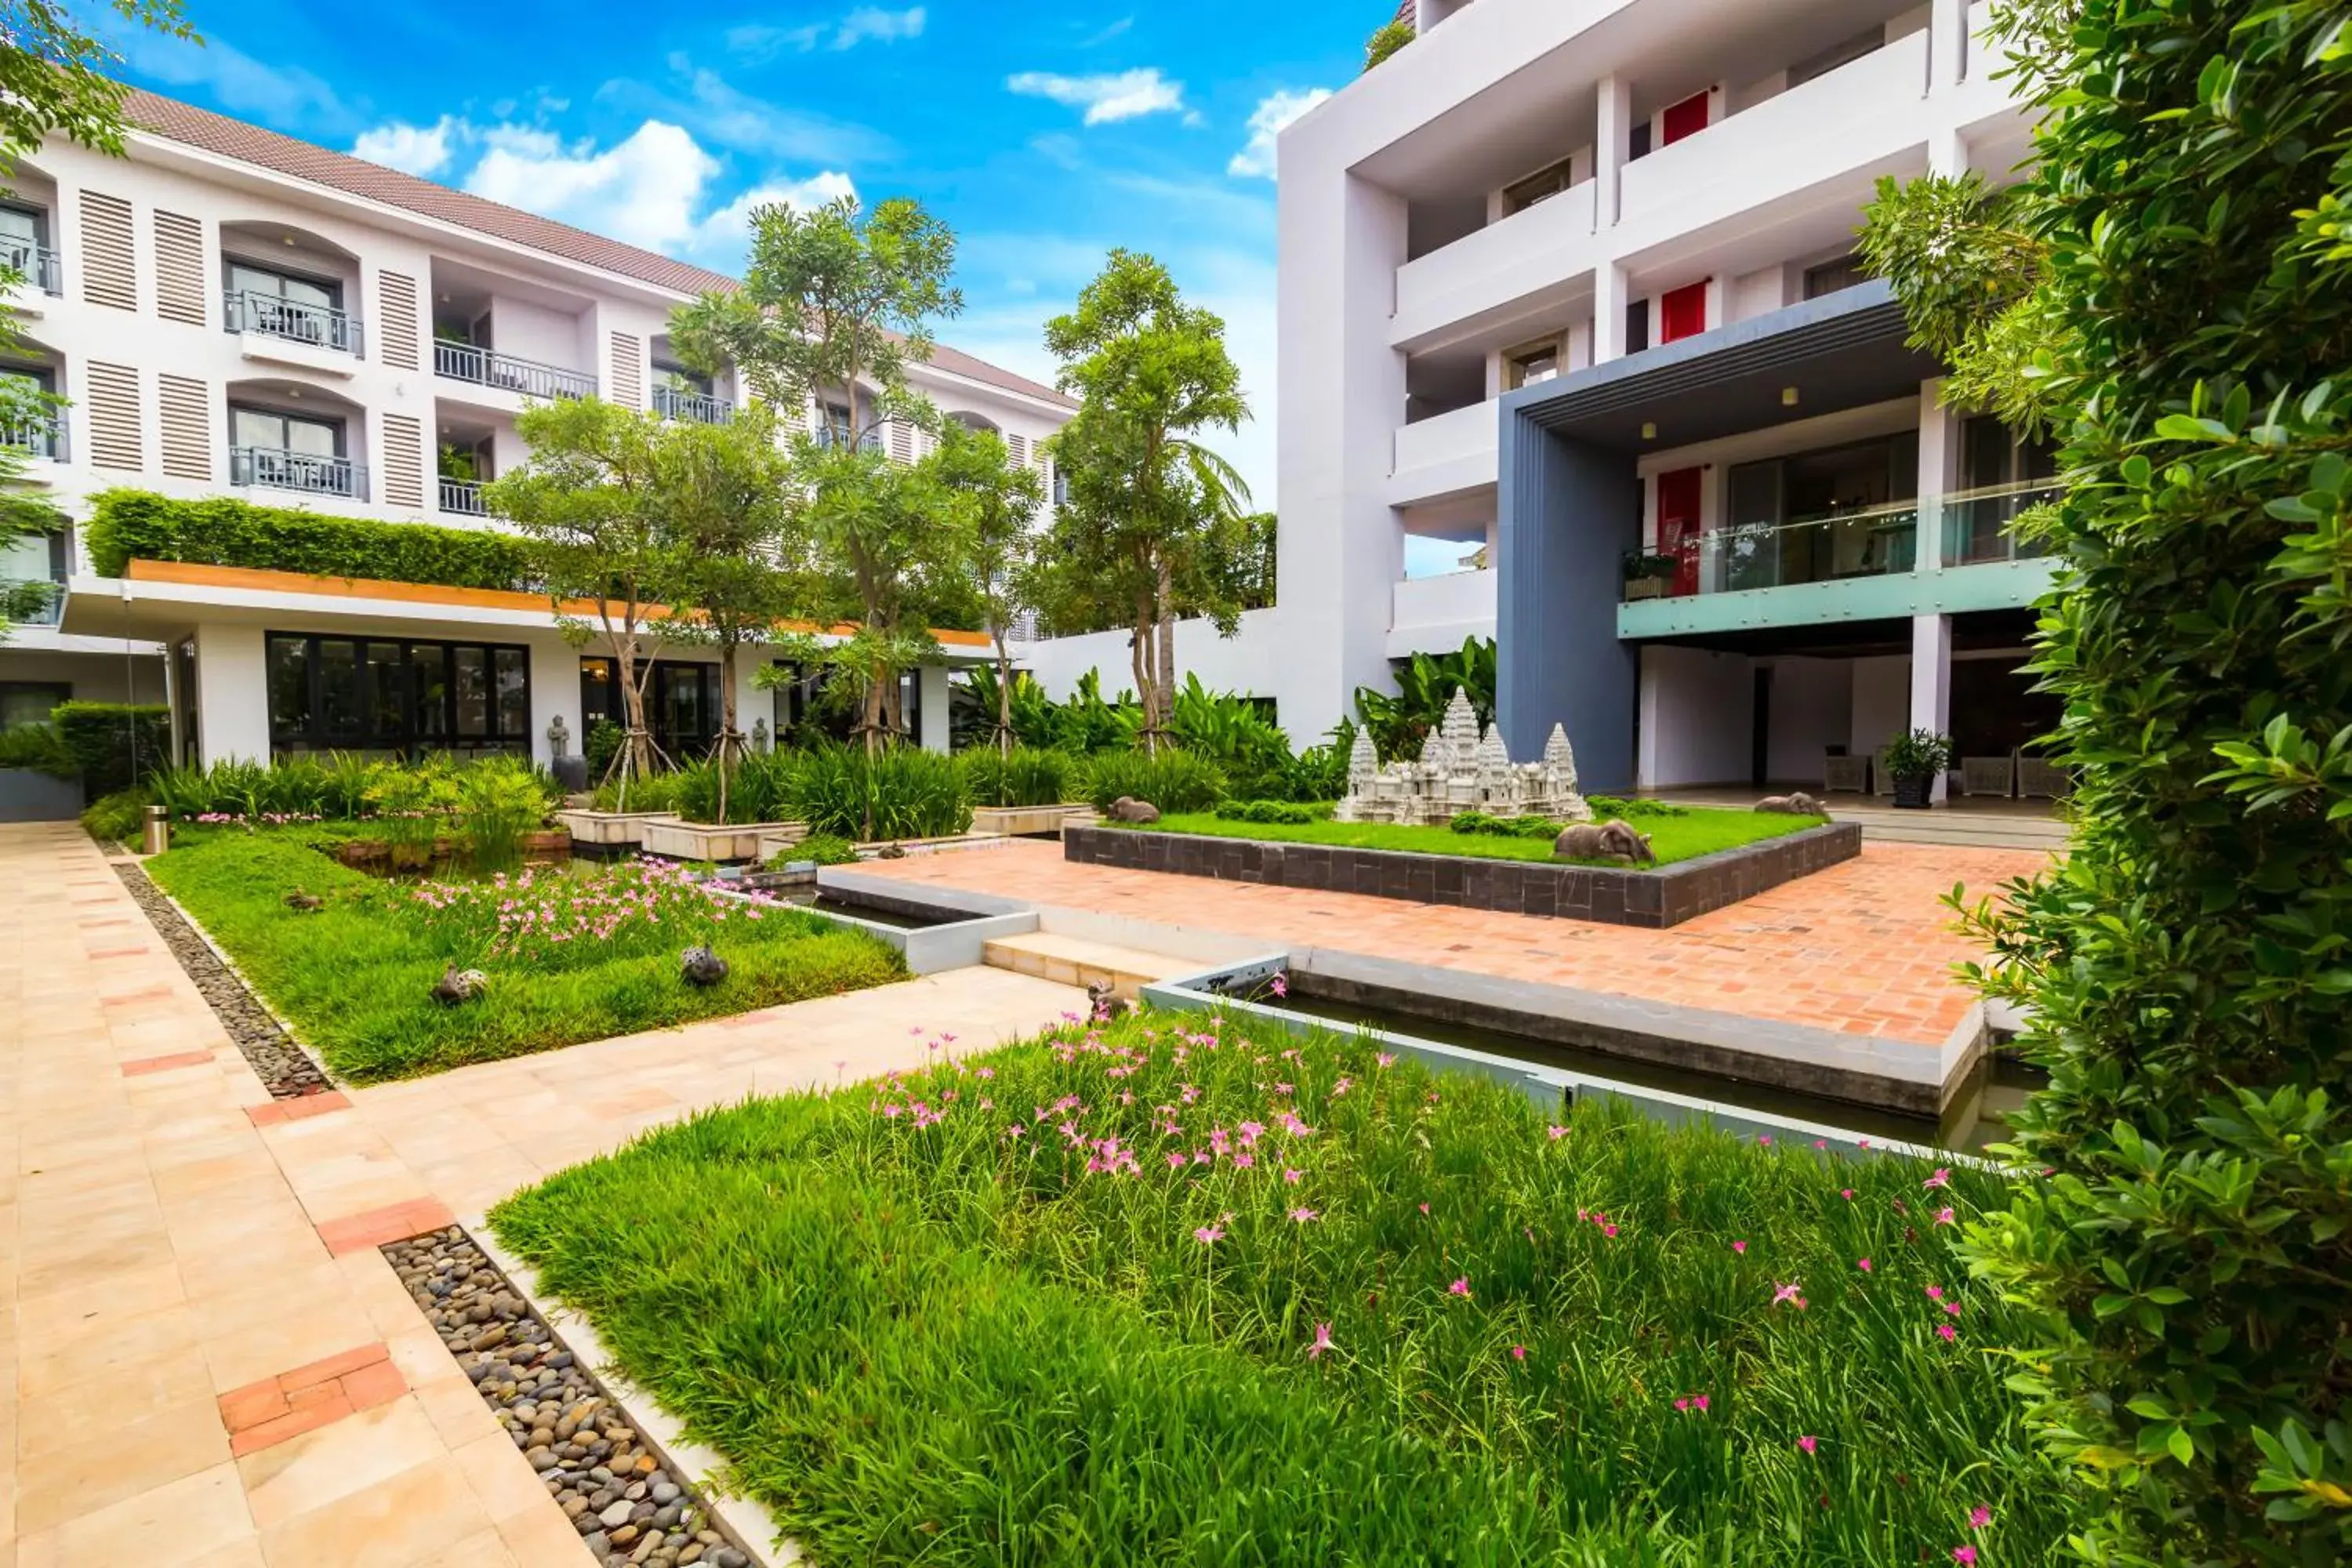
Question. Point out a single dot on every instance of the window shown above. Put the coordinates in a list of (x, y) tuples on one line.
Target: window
[(29, 701), (390, 696), (1531, 363), (1061, 486), (24, 235), (1637, 142), (28, 421), (1540, 186), (287, 305), (1637, 326), (271, 431), (682, 702), (677, 378), (325, 294), (289, 452), (1831, 277), (834, 429)]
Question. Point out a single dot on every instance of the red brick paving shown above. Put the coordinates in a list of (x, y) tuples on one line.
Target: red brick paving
[(142, 1066), (394, 1222), (299, 1109), (1864, 948), (261, 1414)]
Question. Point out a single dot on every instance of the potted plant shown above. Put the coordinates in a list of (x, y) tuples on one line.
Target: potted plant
[(1912, 761), (1649, 576)]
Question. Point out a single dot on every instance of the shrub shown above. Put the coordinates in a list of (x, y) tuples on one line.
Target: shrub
[(115, 744), (656, 792), (38, 748), (1174, 781), (1921, 754), (412, 806), (824, 848), (762, 788), (599, 745), (499, 799), (128, 525), (1026, 775), (903, 792), (1479, 822), (117, 817), (1271, 811), (1615, 806), (334, 786), (1426, 687), (1386, 40)]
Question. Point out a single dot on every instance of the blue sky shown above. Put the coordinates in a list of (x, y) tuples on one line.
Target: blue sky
[(1044, 134)]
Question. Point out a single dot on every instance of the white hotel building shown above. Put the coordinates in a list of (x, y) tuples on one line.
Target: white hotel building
[(234, 313), (1567, 285)]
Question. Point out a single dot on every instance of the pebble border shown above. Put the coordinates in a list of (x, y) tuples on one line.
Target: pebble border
[(285, 1068), (627, 1503)]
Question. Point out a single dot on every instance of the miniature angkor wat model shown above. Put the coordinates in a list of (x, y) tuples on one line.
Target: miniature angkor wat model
[(1461, 770)]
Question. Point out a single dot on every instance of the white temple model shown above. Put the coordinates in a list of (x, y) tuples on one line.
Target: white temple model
[(1461, 770)]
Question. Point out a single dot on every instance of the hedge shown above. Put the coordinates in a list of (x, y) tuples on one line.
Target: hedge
[(116, 743), (128, 525)]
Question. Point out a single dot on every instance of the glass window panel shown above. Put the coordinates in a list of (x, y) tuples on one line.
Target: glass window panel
[(313, 437), (597, 697), (255, 428), (339, 689), (388, 688), (429, 674), (30, 702), (473, 684), (514, 692), (251, 279), (290, 688), (19, 227), (302, 291)]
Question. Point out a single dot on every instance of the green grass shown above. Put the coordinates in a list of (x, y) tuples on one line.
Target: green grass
[(355, 978), (1703, 830), (919, 1337)]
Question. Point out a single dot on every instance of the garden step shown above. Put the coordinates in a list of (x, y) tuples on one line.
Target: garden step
[(1073, 961)]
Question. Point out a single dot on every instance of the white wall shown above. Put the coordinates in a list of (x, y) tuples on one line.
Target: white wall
[(1697, 718), (94, 677), (1247, 664), (1813, 710), (535, 332), (233, 694), (1882, 702), (933, 684)]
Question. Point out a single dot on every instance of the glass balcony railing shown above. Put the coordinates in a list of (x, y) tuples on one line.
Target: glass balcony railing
[(295, 320), (41, 436), (37, 265), (677, 402), (1975, 528), (274, 467), (487, 367), (463, 497)]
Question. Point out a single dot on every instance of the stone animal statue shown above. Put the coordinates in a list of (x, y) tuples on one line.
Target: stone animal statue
[(1604, 841), (304, 904), (893, 850), (1798, 804), (1127, 808), (700, 967), (1102, 1004), (457, 985)]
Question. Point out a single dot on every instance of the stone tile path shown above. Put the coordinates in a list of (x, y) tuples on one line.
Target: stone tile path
[(205, 1363), (1865, 947)]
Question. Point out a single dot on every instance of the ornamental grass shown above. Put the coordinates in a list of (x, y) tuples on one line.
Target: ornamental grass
[(1168, 1290)]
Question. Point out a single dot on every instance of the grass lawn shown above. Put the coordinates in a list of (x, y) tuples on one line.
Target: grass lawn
[(574, 954), (1143, 1296), (1704, 830)]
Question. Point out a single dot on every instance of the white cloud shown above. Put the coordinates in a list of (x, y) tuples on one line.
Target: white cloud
[(730, 228), (1107, 98), (881, 27), (280, 95), (724, 115), (757, 42), (420, 150), (1276, 110)]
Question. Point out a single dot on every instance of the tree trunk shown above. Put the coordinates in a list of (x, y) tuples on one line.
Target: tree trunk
[(1164, 630), (1138, 652), (1004, 697), (727, 739)]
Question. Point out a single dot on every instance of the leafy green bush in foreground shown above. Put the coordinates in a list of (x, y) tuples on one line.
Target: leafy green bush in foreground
[(1163, 1292), (1174, 781)]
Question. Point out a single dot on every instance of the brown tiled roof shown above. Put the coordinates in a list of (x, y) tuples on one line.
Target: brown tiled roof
[(1408, 15), (219, 134)]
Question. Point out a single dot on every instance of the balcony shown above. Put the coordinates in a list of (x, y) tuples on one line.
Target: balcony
[(506, 373), (274, 467), (463, 498), (1978, 524), (1433, 615), (673, 403), (40, 436), (1444, 455), (274, 317), (1536, 258), (37, 265)]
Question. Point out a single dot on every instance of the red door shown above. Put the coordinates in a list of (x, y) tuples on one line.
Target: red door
[(1682, 313), (1678, 526), (1687, 118)]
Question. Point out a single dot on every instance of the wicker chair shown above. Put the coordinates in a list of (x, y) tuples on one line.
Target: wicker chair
[(2038, 778), (1995, 776), (1849, 775), (1882, 777)]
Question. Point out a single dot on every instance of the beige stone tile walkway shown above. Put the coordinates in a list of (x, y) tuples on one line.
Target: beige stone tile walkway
[(1865, 947), (162, 1257)]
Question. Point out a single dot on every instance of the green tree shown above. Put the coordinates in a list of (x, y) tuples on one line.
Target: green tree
[(725, 495), (998, 499), (1386, 39), (55, 79), (588, 505), (836, 303), (2170, 292), (1152, 518)]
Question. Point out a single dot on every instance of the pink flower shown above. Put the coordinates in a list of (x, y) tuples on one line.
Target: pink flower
[(1460, 1287), (1519, 1353), (1979, 1517), (1809, 1442), (1965, 1554), (1953, 1308), (1740, 1246), (1765, 1138), (1788, 1292), (1609, 1230), (1301, 1214), (1862, 1264), (1934, 1292), (1386, 1059), (1947, 1333), (1208, 1234), (1424, 1208), (1243, 1162), (1821, 1142), (1682, 1404), (1943, 1217), (1556, 1134), (1322, 1341), (1942, 1178), (1292, 1176), (1846, 1192), (1281, 986)]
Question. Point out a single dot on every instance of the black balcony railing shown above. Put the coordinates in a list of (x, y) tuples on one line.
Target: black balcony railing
[(293, 320), (37, 265), (463, 497), (276, 468), (41, 437), (487, 368), (671, 402)]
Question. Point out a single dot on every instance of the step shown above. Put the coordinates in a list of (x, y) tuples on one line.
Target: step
[(1073, 961)]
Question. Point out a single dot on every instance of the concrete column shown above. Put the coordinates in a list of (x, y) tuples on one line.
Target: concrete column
[(1948, 43), (555, 693), (1609, 147), (1940, 471), (232, 694), (1609, 301), (933, 682), (1931, 678), (1948, 152)]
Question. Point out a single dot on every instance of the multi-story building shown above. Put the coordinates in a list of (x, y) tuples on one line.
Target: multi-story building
[(228, 312), (1575, 352)]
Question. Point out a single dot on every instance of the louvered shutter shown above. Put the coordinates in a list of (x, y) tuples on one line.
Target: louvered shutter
[(396, 320), (628, 373), (902, 441), (403, 461), (1018, 447), (179, 275), (185, 405), (109, 275), (114, 438)]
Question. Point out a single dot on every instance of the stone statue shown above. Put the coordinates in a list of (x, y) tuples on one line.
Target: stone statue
[(456, 985), (1797, 804), (559, 737), (1609, 841), (700, 967), (760, 733), (304, 904), (1127, 808), (1462, 770)]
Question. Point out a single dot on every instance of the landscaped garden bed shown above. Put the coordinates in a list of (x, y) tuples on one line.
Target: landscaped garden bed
[(1675, 833), (1142, 1294), (567, 956)]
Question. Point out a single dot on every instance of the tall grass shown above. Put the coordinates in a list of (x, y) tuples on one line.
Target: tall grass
[(1026, 775), (1161, 1293), (1174, 781), (903, 792)]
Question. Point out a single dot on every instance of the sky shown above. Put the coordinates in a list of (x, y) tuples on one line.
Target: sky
[(1044, 134)]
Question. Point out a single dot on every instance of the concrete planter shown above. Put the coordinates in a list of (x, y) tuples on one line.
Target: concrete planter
[(28, 796), (1014, 821), (715, 841), (778, 839), (1657, 898), (609, 829)]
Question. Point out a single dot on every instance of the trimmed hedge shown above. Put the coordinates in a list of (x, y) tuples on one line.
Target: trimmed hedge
[(128, 525), (116, 744)]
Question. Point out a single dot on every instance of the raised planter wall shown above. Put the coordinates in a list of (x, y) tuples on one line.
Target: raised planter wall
[(1017, 820), (609, 829), (1665, 896), (708, 841)]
